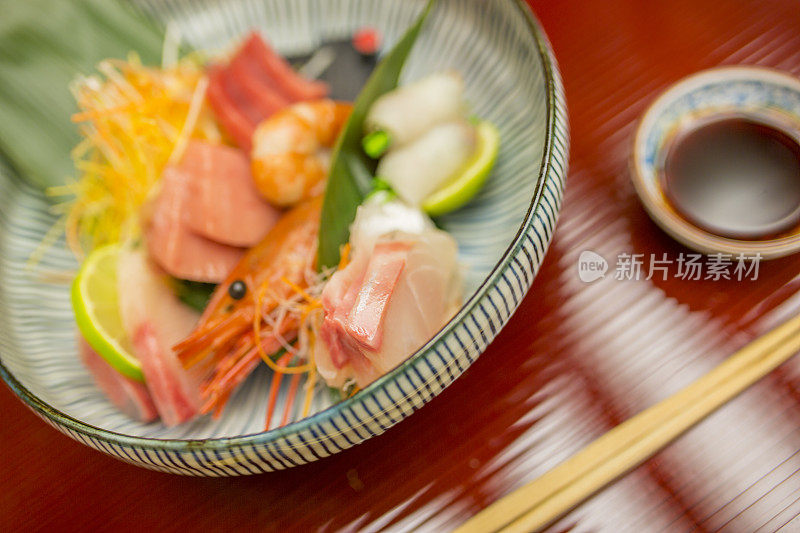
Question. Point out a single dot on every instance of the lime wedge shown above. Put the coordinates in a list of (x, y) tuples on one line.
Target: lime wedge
[(466, 184), (96, 305)]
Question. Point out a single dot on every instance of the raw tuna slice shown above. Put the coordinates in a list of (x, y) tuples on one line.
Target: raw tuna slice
[(174, 246), (234, 120), (255, 84), (399, 289), (156, 320), (225, 205), (129, 396), (259, 89), (290, 83)]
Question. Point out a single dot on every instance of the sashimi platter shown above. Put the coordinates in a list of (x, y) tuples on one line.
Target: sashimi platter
[(262, 269)]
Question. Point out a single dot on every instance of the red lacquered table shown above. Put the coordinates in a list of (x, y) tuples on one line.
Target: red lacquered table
[(576, 359)]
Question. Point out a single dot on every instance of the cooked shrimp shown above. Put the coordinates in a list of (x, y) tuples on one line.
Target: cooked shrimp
[(238, 332), (291, 150)]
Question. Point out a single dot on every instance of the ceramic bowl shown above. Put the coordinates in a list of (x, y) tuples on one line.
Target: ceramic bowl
[(757, 93), (511, 79)]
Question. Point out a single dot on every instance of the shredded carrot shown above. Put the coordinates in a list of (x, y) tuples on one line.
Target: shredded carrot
[(299, 290), (344, 256), (290, 398), (306, 310), (133, 120), (302, 369), (274, 387), (312, 377), (97, 114), (312, 382), (296, 308)]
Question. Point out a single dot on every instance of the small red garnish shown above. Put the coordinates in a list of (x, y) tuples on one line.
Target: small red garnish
[(366, 41)]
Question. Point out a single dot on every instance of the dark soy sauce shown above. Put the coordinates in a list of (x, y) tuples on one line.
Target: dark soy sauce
[(735, 177)]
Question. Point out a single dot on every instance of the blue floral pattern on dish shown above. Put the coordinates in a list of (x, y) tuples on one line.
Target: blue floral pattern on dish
[(722, 95)]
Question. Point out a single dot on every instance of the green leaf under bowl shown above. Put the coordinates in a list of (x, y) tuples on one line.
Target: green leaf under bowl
[(195, 294), (352, 170), (43, 46)]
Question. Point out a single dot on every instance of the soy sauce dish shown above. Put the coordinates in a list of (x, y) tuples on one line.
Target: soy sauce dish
[(716, 162)]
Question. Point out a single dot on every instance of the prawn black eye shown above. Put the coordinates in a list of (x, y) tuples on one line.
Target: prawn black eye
[(237, 289)]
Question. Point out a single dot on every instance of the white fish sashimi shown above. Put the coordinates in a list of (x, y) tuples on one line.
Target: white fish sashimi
[(380, 215), (418, 169), (156, 320), (411, 110), (395, 294)]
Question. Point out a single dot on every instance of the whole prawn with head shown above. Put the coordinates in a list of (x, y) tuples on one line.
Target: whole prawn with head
[(292, 149), (261, 307), (258, 309)]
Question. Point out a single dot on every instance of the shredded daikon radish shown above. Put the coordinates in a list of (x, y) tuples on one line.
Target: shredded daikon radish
[(134, 121)]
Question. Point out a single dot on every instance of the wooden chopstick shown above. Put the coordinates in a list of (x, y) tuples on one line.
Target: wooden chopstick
[(544, 500)]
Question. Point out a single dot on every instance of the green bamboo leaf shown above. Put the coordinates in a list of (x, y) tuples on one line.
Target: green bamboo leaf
[(194, 293), (43, 46), (352, 170)]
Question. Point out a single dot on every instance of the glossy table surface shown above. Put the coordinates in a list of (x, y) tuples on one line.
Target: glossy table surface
[(576, 359)]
